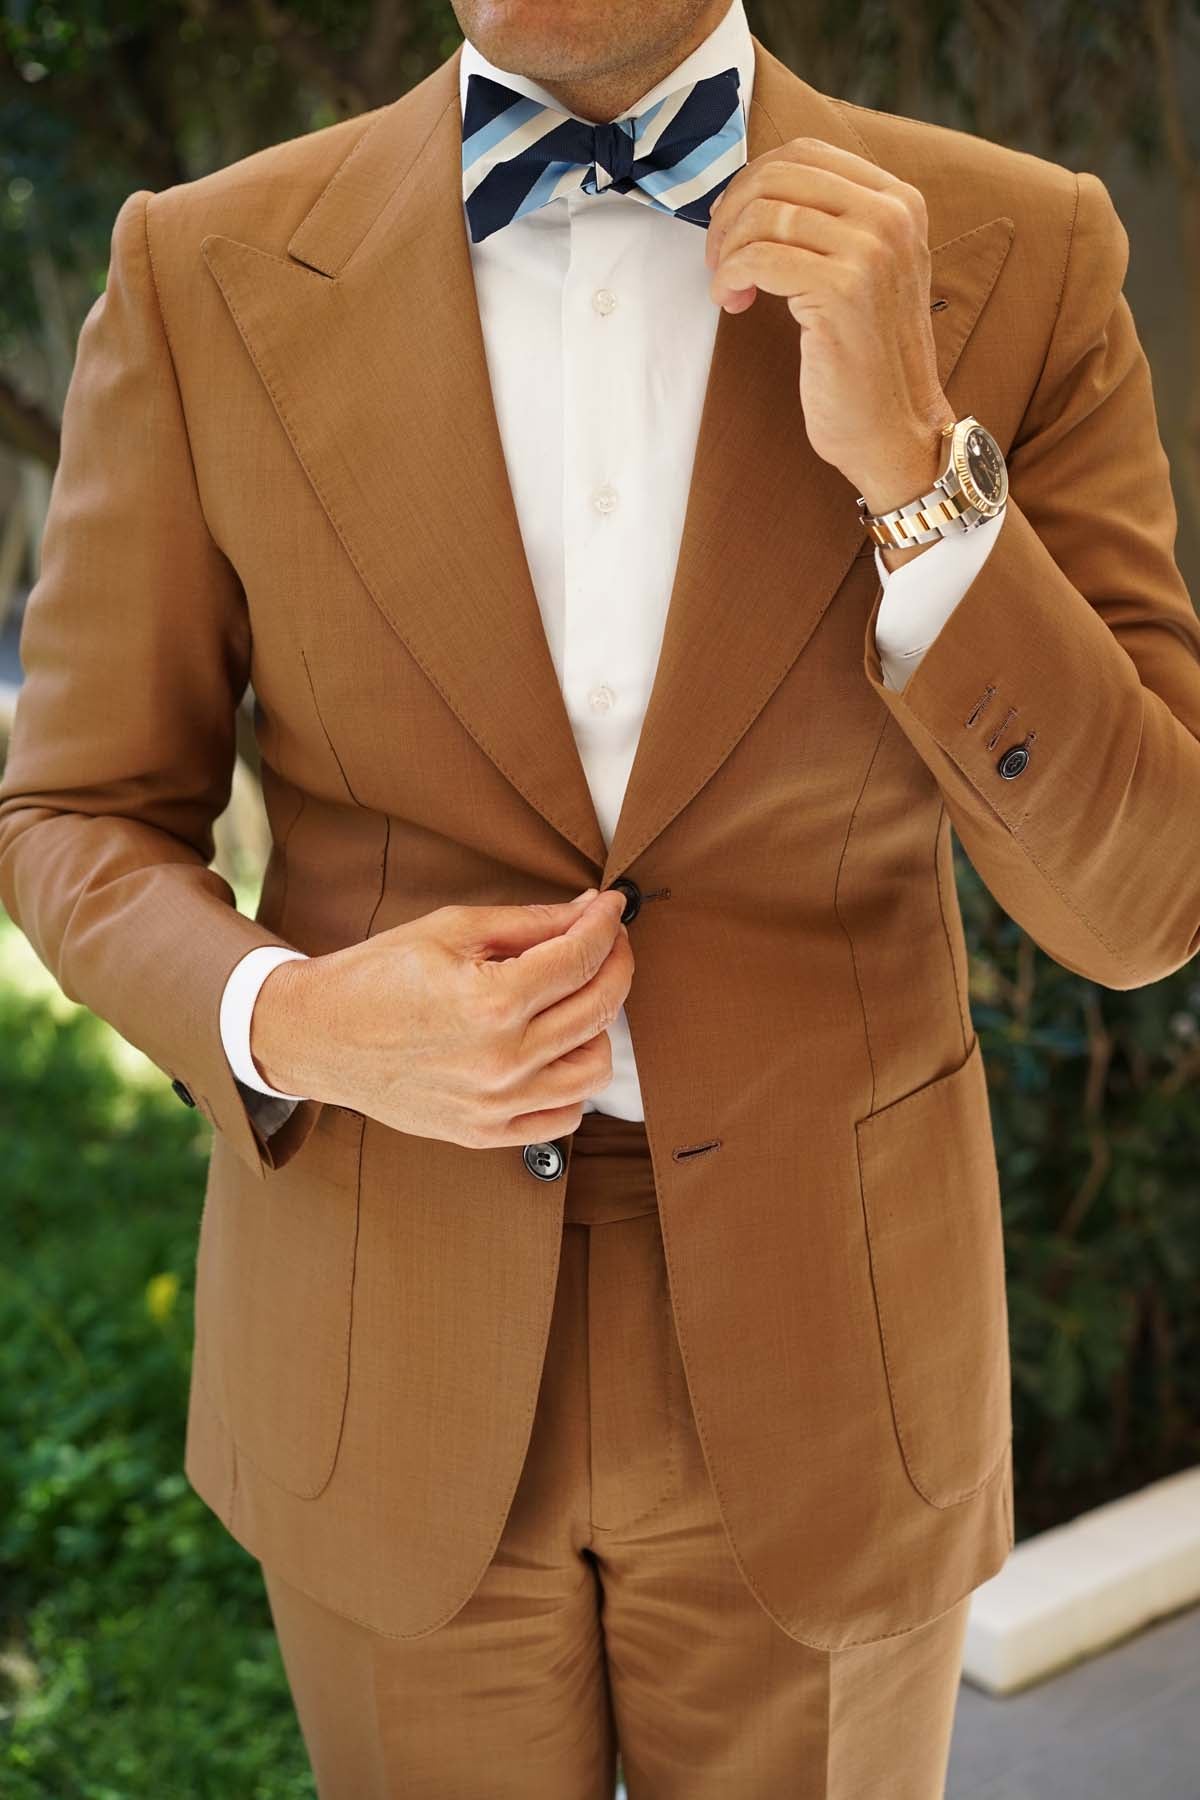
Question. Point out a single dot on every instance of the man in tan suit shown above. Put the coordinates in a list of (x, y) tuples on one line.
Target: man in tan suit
[(571, 1405)]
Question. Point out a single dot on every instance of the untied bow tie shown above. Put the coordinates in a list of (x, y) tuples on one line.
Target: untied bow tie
[(676, 156)]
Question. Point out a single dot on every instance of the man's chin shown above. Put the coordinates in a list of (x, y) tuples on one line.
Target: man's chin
[(546, 40)]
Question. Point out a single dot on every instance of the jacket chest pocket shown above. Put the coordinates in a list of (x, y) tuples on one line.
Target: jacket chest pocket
[(931, 1201), (274, 1286)]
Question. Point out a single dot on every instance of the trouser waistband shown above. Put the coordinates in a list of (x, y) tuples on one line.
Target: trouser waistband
[(609, 1174)]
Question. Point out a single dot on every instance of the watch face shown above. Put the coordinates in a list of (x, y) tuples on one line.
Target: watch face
[(985, 465)]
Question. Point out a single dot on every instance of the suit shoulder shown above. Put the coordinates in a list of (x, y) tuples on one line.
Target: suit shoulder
[(261, 197), (965, 177)]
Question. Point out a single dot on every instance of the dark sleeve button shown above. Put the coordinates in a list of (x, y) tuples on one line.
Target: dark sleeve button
[(183, 1093), (546, 1161), (633, 897), (1013, 761)]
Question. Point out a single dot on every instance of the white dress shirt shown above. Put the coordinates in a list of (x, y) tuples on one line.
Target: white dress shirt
[(599, 332)]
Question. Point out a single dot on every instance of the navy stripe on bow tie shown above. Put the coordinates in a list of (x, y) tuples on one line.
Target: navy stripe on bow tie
[(677, 156)]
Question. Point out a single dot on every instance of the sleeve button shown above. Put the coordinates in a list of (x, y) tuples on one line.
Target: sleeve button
[(1013, 762), (183, 1093)]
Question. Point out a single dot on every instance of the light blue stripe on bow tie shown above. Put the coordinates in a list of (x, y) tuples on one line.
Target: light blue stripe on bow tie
[(488, 136), (543, 188)]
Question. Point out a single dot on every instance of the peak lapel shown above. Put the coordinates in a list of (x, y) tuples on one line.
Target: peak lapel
[(370, 345)]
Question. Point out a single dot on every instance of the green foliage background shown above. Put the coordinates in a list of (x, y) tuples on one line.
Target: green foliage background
[(137, 1658)]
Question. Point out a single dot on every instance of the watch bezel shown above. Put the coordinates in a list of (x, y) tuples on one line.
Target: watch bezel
[(962, 470)]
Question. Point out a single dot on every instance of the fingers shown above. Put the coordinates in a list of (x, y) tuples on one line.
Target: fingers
[(816, 161), (577, 1018), (553, 1101), (508, 930), (794, 185), (813, 176), (560, 965), (539, 1127), (584, 1070)]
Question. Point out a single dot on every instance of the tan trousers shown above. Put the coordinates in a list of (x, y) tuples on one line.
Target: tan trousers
[(612, 1613)]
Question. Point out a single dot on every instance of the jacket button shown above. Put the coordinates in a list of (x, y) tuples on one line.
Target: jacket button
[(1013, 761), (183, 1093), (544, 1160), (633, 897)]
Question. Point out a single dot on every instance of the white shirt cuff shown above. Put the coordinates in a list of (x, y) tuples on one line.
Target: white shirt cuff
[(237, 1005), (920, 595)]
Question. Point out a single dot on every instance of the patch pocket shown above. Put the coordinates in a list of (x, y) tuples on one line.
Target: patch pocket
[(931, 1200), (274, 1286)]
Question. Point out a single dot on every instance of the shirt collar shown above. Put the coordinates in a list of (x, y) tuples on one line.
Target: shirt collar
[(728, 45)]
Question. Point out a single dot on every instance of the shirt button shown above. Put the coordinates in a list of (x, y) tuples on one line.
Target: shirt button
[(601, 698), (604, 499), (604, 300)]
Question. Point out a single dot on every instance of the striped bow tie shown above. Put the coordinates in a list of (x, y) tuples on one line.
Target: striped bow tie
[(677, 155)]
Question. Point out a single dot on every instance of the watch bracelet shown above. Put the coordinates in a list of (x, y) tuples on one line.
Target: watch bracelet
[(889, 530)]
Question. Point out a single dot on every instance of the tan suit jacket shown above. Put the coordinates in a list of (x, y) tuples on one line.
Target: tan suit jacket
[(281, 462)]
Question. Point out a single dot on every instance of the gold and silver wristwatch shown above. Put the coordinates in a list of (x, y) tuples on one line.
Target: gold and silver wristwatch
[(972, 487)]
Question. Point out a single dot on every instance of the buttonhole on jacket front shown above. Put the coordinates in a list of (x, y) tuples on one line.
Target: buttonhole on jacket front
[(682, 1151)]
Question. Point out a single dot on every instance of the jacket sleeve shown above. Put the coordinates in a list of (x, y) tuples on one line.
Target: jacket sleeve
[(1078, 647), (136, 651)]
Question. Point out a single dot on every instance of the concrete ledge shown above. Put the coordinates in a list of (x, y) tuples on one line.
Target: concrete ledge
[(1068, 1593)]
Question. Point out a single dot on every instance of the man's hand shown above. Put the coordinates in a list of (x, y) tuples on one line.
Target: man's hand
[(481, 1025), (846, 243)]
